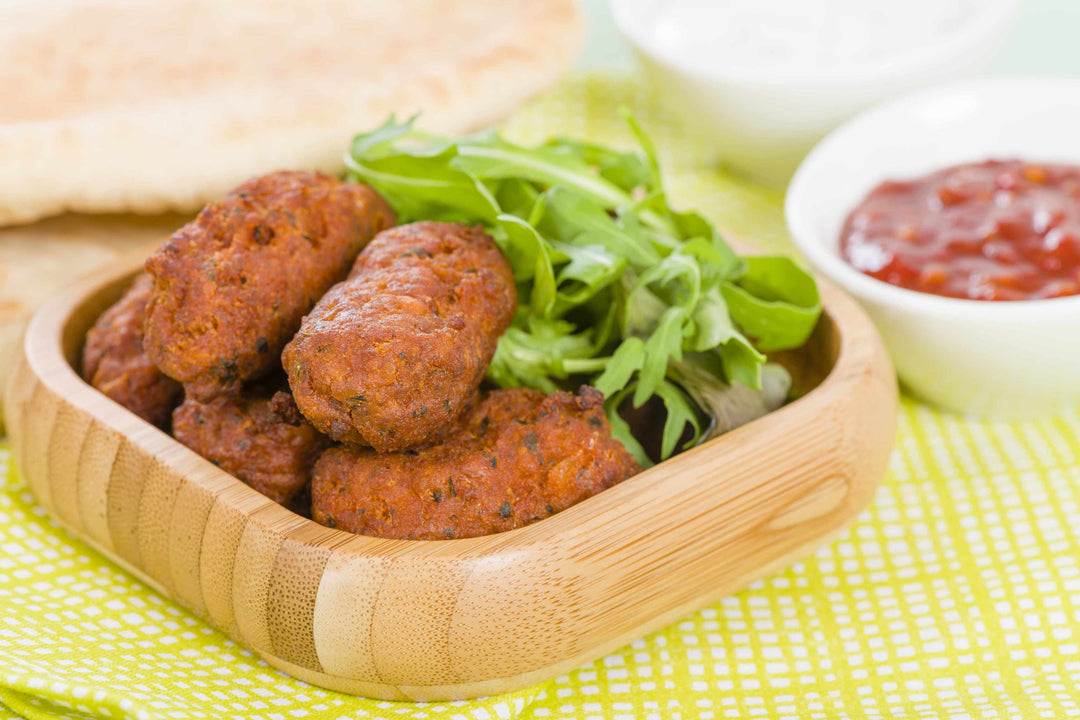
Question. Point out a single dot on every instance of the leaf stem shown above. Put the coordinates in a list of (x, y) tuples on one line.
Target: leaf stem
[(595, 186), (573, 366)]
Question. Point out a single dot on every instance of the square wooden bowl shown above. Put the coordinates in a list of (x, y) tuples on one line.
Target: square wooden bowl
[(450, 619)]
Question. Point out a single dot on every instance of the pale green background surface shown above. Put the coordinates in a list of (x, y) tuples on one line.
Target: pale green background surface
[(1044, 39)]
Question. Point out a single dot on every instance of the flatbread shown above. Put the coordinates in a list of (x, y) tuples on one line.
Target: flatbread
[(36, 261), (154, 105)]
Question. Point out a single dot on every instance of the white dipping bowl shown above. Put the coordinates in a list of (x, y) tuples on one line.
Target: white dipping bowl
[(761, 121), (1011, 359)]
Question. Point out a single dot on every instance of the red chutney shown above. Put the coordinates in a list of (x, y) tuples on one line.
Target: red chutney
[(995, 230)]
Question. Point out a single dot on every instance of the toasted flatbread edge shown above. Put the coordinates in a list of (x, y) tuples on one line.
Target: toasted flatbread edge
[(145, 161)]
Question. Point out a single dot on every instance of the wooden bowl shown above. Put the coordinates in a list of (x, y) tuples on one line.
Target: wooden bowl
[(450, 619)]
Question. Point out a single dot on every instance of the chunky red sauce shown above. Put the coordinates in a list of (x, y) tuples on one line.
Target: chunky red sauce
[(996, 230)]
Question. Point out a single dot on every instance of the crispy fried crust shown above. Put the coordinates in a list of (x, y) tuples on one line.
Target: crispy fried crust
[(259, 439), (231, 286), (516, 458), (114, 361), (389, 357)]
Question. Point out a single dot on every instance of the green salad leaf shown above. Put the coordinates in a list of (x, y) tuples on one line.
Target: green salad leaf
[(615, 287), (775, 301)]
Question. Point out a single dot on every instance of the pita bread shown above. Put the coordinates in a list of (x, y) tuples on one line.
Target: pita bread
[(39, 260), (155, 105)]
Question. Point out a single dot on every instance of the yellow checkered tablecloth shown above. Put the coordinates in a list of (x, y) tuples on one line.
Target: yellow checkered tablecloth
[(955, 595)]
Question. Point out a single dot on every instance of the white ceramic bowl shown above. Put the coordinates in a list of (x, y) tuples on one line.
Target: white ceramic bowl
[(763, 122), (990, 358)]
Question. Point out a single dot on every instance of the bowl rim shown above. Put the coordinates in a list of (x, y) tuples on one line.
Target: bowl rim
[(803, 189), (992, 18)]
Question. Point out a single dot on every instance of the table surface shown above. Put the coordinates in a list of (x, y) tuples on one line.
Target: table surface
[(1041, 41)]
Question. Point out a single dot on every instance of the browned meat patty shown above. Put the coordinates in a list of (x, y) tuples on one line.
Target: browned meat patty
[(231, 286), (389, 357), (114, 361), (259, 438), (515, 458)]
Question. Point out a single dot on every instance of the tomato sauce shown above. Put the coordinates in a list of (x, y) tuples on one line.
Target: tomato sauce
[(995, 230)]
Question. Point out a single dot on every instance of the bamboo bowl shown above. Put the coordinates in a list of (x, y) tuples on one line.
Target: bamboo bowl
[(451, 619)]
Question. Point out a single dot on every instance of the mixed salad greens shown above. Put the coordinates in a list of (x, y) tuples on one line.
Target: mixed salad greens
[(615, 287)]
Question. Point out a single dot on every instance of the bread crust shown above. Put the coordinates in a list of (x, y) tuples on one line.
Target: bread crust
[(205, 94)]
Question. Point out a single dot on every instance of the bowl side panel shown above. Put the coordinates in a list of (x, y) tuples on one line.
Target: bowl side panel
[(188, 526), (94, 464), (38, 420), (66, 446), (124, 492), (294, 585), (154, 519), (411, 636), (252, 575), (225, 525), (344, 610)]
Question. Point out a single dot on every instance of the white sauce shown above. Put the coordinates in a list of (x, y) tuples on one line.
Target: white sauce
[(797, 34)]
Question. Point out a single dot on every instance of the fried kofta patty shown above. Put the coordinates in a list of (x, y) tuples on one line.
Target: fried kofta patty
[(516, 458), (389, 357), (231, 286), (115, 363), (259, 438)]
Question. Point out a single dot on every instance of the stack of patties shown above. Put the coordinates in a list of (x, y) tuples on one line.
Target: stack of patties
[(385, 422)]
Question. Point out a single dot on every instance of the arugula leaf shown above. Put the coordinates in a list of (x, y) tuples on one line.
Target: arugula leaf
[(516, 197), (620, 429), (511, 367), (742, 362), (641, 309), (543, 349), (717, 257), (624, 169), (651, 214), (591, 269), (627, 359), (651, 159), (530, 258), (492, 157), (423, 186), (576, 219), (677, 279), (775, 301), (730, 405), (380, 140), (680, 413), (665, 343), (775, 277), (712, 324)]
